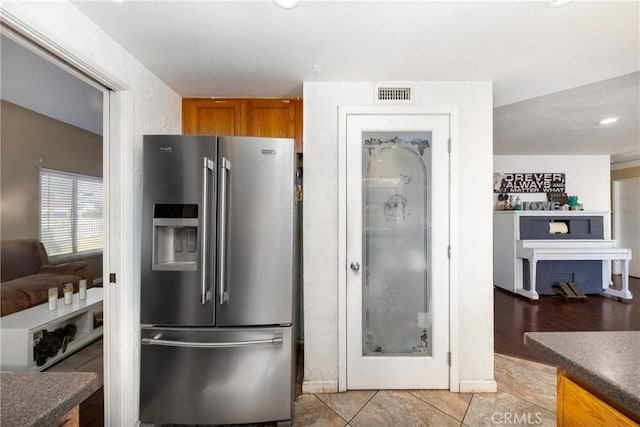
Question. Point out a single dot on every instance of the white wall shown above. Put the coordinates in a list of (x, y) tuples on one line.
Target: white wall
[(587, 177), (321, 101), (150, 107)]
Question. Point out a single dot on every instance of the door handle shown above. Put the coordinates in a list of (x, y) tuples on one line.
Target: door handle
[(225, 170), (204, 239), (355, 266)]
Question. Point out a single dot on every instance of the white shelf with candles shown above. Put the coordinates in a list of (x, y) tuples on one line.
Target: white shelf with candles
[(21, 330)]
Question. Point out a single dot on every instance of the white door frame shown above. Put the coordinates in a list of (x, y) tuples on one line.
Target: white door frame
[(343, 112), (118, 253), (616, 213)]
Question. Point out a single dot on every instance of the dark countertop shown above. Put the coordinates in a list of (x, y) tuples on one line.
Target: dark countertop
[(42, 398), (607, 361)]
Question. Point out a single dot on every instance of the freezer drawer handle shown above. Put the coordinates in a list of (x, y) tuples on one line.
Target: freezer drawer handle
[(168, 343)]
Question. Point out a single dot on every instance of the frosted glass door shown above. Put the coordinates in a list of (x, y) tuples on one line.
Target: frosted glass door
[(397, 237), (395, 200)]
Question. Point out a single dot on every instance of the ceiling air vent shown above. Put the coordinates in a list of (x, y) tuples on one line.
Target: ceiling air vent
[(394, 94)]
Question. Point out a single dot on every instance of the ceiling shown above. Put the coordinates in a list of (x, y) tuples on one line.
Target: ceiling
[(33, 82), (566, 122), (556, 71)]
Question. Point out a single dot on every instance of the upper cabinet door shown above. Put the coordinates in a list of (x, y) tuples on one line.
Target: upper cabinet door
[(212, 116), (273, 117)]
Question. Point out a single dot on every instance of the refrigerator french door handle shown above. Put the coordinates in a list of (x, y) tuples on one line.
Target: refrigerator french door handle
[(225, 170), (204, 265), (170, 343)]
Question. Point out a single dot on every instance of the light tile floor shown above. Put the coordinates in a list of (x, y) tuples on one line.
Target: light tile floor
[(526, 396)]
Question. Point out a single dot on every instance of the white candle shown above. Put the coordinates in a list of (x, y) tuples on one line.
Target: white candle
[(53, 299), (68, 293), (82, 289)]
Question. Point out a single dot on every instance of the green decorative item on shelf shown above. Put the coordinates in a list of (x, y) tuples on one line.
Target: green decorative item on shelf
[(502, 201), (51, 342)]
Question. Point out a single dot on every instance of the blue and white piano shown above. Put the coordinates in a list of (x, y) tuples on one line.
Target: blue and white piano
[(534, 249)]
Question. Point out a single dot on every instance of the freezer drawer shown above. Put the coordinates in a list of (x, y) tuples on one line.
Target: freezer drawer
[(216, 376)]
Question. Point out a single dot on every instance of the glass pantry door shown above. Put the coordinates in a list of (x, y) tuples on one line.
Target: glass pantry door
[(397, 242)]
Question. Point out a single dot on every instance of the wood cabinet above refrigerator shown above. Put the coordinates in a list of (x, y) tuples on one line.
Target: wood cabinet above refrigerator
[(270, 117)]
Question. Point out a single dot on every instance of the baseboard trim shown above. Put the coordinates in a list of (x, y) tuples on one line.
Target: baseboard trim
[(487, 386), (320, 386)]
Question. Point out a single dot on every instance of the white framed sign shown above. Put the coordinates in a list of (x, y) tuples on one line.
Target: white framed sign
[(529, 182)]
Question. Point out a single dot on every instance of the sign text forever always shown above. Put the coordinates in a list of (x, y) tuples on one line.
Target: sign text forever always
[(543, 182)]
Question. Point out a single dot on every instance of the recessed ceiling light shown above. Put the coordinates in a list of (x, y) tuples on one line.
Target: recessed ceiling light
[(558, 3), (608, 121), (287, 4)]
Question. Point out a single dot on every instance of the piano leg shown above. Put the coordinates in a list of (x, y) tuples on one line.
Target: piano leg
[(623, 293), (531, 293)]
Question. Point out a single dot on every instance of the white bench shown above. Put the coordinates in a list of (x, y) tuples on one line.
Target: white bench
[(581, 250), (19, 330)]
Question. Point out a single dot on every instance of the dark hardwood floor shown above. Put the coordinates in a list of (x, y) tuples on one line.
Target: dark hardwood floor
[(514, 315), (92, 410)]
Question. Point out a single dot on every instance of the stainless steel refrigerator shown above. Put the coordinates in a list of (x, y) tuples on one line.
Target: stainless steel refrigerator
[(217, 291)]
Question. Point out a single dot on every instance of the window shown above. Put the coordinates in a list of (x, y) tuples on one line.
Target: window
[(71, 219)]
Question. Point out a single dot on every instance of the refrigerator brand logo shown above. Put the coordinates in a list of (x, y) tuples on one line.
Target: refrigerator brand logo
[(165, 149), (268, 151)]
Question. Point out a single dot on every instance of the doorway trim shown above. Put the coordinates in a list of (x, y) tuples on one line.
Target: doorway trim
[(452, 112), (118, 251), (616, 203)]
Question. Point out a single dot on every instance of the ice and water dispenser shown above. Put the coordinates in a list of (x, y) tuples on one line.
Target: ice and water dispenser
[(175, 237)]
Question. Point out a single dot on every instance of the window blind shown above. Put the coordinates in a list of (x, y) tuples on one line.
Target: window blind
[(71, 212)]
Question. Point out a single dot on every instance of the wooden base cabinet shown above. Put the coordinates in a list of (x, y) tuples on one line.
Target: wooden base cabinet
[(579, 407), (269, 117)]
